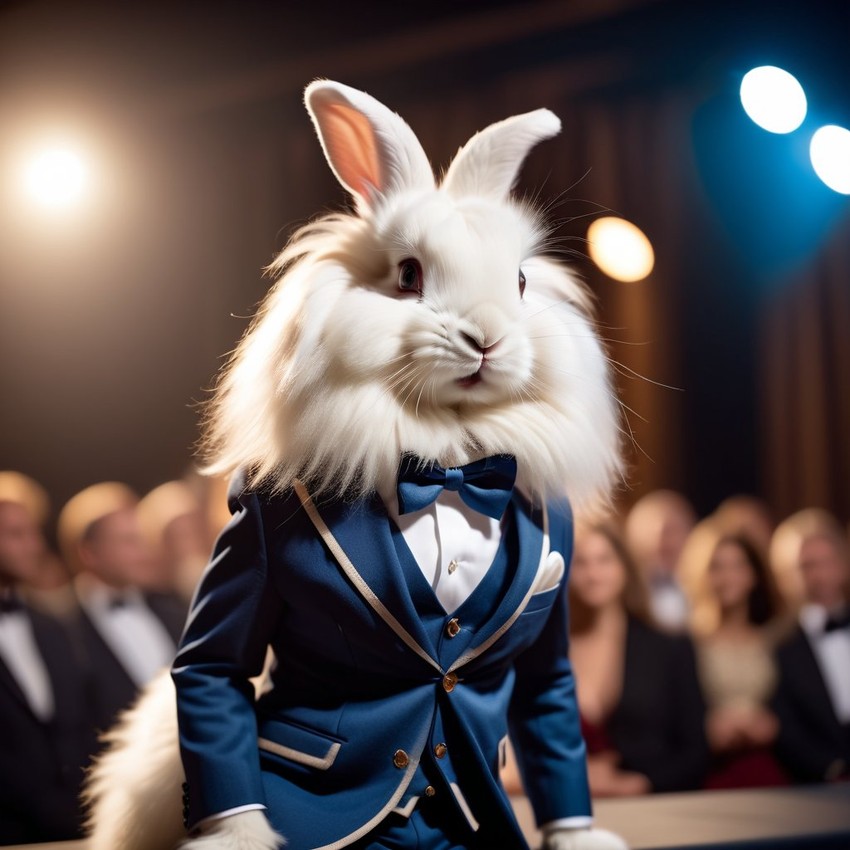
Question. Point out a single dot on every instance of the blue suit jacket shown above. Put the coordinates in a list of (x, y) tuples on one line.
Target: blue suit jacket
[(367, 684)]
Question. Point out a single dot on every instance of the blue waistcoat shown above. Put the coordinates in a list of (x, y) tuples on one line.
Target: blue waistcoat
[(377, 692)]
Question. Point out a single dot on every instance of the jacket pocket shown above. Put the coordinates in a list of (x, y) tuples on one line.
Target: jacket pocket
[(298, 744)]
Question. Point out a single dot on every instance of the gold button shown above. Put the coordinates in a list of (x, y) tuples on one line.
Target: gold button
[(401, 759), (430, 791), (453, 627), (452, 566), (449, 682), (440, 750)]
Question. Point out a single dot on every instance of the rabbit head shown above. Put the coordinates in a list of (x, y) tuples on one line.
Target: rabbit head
[(428, 321)]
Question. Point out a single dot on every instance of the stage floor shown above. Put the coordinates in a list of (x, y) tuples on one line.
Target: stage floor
[(815, 817)]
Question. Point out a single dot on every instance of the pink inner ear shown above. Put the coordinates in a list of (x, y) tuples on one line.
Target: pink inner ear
[(351, 145)]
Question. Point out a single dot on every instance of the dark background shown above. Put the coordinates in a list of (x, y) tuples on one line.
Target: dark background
[(114, 322)]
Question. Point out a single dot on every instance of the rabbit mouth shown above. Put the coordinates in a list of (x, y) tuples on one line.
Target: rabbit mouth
[(470, 380)]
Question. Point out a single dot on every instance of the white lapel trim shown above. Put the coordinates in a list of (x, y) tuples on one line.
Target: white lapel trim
[(351, 571), (464, 807), (544, 553)]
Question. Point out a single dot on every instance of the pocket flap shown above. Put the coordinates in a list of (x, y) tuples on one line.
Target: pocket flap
[(298, 744)]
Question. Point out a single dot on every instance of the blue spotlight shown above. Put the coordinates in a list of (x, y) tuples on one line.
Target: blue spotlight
[(773, 99), (830, 155)]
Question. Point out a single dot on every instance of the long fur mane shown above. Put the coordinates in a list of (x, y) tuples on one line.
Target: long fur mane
[(281, 412)]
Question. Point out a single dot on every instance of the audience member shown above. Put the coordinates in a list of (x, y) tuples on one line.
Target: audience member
[(746, 516), (642, 712), (46, 735), (735, 612), (656, 528), (128, 635), (49, 588), (813, 697), (175, 527), (211, 493), (785, 548)]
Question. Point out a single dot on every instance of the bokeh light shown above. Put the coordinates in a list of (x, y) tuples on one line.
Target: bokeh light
[(620, 249), (774, 99), (830, 154), (56, 177)]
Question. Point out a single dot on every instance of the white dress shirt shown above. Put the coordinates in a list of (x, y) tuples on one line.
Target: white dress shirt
[(22, 657), (136, 636), (453, 545), (832, 652)]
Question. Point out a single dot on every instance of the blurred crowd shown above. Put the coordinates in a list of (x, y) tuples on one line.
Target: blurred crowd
[(83, 626), (711, 654), (707, 654)]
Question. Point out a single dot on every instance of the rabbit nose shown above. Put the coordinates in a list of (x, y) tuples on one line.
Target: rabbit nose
[(472, 342)]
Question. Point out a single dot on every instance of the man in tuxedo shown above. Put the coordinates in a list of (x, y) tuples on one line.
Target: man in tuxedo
[(128, 635), (813, 697), (46, 736)]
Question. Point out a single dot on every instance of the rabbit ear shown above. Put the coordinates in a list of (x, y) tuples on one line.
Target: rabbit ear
[(488, 164), (369, 148)]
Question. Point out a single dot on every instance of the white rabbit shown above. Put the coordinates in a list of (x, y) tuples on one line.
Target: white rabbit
[(429, 321)]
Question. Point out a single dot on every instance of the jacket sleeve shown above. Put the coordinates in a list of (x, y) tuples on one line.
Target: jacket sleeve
[(224, 644), (544, 717)]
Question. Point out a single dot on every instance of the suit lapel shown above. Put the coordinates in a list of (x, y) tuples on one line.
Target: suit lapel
[(359, 538), (809, 672), (532, 529)]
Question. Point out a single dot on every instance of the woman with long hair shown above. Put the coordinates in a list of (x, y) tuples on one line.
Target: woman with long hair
[(642, 712), (736, 612)]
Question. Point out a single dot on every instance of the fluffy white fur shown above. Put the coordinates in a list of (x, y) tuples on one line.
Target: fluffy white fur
[(134, 792), (583, 839), (244, 831), (340, 373)]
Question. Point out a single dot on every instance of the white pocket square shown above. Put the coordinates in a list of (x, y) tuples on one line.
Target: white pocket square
[(551, 572)]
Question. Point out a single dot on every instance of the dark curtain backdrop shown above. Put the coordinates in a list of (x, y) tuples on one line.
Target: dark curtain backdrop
[(805, 368), (730, 386)]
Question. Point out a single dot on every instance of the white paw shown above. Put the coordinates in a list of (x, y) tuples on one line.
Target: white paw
[(245, 831), (583, 839)]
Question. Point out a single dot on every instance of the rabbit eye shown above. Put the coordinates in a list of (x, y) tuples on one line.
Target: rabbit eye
[(521, 283), (410, 276)]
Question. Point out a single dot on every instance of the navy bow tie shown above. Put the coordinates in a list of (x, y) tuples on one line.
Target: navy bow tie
[(485, 485)]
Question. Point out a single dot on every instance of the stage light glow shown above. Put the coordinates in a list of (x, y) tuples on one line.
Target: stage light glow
[(830, 154), (56, 177), (620, 249), (774, 99)]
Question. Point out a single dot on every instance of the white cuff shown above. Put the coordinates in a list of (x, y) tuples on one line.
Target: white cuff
[(577, 822), (248, 807)]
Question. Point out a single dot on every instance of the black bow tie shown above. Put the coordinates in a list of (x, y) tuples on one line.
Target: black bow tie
[(10, 604), (837, 621), (118, 601)]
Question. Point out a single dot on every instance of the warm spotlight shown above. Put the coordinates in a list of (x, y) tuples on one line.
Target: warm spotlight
[(56, 177), (620, 249), (830, 155), (773, 99)]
